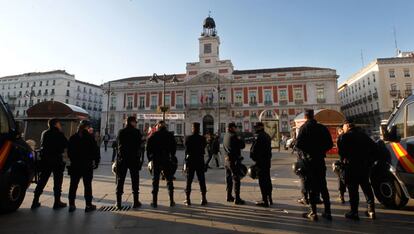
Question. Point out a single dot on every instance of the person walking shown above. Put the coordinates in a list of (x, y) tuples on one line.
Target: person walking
[(106, 139), (84, 156), (129, 158), (194, 158), (161, 149), (53, 143), (357, 150), (314, 140), (215, 150), (233, 145), (261, 153)]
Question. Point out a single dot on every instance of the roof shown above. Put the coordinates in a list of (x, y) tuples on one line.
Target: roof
[(39, 73), (282, 69), (56, 109), (86, 83), (144, 78)]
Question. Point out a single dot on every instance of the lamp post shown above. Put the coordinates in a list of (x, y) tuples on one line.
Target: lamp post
[(109, 93), (164, 80), (219, 90)]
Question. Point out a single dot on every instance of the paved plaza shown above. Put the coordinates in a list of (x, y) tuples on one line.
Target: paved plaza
[(217, 217)]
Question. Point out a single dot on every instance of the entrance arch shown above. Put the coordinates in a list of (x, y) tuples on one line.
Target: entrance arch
[(208, 124)]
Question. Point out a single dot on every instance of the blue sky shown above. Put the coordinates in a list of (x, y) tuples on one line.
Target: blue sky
[(101, 40)]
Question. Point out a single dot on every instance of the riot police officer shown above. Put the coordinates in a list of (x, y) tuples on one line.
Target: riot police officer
[(194, 159), (161, 149), (261, 153), (314, 140), (357, 150), (84, 157), (129, 157), (52, 143), (233, 145)]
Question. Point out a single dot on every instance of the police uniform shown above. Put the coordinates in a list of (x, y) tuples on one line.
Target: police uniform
[(84, 156), (314, 140), (233, 145), (53, 143), (161, 149), (194, 158), (129, 157), (261, 153), (341, 172), (357, 149)]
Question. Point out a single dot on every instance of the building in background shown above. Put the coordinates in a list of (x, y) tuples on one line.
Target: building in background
[(371, 94), (25, 90), (213, 93)]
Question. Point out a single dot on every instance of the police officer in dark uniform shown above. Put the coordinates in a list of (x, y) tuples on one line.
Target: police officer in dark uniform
[(314, 140), (84, 156), (233, 145), (195, 146), (357, 150), (339, 170), (52, 143), (161, 149), (261, 153), (129, 157)]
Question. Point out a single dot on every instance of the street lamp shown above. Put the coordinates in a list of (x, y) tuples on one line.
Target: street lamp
[(109, 93), (219, 90), (173, 79)]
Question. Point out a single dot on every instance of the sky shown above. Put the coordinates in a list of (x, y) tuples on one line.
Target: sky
[(103, 40)]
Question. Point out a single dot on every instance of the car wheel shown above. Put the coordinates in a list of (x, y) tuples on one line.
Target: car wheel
[(389, 192), (12, 194)]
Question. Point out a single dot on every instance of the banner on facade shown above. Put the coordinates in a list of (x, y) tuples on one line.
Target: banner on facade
[(159, 116)]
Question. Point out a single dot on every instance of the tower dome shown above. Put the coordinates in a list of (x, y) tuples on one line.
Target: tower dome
[(209, 27), (209, 23)]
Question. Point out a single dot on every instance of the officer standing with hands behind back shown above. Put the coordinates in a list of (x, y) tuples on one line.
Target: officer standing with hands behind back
[(129, 157), (194, 158), (233, 145)]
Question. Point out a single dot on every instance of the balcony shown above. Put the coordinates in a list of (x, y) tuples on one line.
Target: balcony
[(112, 108), (153, 107), (364, 99), (252, 103), (369, 97), (179, 106), (238, 104), (321, 100), (394, 93), (375, 95), (268, 103), (208, 106), (283, 102), (129, 107), (141, 107), (298, 101), (408, 92)]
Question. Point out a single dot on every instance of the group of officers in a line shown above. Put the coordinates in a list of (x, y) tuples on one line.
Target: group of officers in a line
[(84, 155), (312, 143)]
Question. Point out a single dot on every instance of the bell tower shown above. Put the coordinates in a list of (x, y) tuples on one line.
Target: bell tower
[(209, 44)]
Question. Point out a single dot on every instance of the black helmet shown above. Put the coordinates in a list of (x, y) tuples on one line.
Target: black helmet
[(299, 168), (242, 171), (252, 171), (85, 122), (337, 167)]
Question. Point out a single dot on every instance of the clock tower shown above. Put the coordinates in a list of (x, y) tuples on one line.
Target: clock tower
[(209, 44)]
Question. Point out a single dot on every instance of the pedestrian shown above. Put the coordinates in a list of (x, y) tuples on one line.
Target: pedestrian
[(216, 149), (106, 139), (84, 156), (161, 149), (314, 140), (129, 158), (194, 159), (233, 144), (114, 150), (261, 154), (53, 142), (340, 172), (357, 150), (209, 148)]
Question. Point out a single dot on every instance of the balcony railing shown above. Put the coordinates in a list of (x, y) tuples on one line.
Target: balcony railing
[(369, 97), (375, 95), (129, 107), (208, 106), (112, 108), (141, 107), (238, 104), (283, 102), (153, 107), (252, 103), (408, 92), (320, 100), (298, 101), (268, 103), (394, 92), (179, 106)]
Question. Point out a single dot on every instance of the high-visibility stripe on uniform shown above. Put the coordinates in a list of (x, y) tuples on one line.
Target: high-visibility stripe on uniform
[(403, 157), (4, 152)]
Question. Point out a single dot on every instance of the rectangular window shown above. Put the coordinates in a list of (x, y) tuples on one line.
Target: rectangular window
[(320, 93), (141, 102), (407, 73), (67, 93), (154, 102), (239, 97), (207, 48), (394, 87), (252, 97), (194, 99), (53, 82), (68, 83), (391, 73), (129, 101), (283, 95), (167, 100), (179, 128), (180, 102), (298, 93), (268, 96)]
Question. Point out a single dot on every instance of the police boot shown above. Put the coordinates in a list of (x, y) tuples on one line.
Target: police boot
[(118, 203), (203, 199), (35, 203), (137, 203), (327, 213), (312, 214), (230, 197), (342, 197), (89, 207), (187, 200), (172, 202), (370, 213), (58, 203), (269, 197), (154, 201), (353, 214), (72, 206), (264, 202), (238, 200)]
